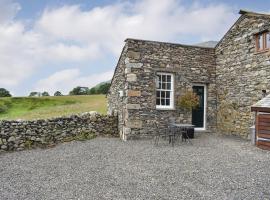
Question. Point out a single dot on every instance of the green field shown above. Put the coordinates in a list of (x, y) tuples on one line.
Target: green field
[(28, 108)]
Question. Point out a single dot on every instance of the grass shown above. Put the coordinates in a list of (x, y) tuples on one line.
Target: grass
[(29, 108)]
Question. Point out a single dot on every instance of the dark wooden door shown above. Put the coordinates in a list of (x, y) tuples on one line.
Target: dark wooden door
[(198, 113)]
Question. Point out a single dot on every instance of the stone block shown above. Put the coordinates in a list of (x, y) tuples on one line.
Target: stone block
[(134, 65), (126, 60), (133, 106), (127, 130), (134, 124), (131, 77), (134, 93), (127, 70), (134, 54)]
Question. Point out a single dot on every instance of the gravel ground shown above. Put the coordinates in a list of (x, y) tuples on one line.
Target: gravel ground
[(214, 167)]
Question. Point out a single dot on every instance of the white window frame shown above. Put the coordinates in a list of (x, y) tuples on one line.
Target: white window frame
[(171, 106)]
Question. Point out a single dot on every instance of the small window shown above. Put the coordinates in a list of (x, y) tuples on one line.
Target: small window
[(268, 40), (262, 41), (164, 91)]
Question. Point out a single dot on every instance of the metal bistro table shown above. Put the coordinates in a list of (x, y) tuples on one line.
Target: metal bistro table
[(180, 130)]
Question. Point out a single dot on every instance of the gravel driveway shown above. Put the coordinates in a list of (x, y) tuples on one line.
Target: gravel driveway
[(214, 167)]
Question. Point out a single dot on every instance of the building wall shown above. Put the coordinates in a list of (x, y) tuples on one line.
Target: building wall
[(116, 102), (242, 74), (189, 65)]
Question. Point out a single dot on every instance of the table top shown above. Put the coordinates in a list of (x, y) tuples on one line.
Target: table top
[(182, 125)]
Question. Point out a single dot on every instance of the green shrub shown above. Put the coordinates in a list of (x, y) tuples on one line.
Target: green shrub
[(188, 101), (28, 144), (84, 136), (4, 106)]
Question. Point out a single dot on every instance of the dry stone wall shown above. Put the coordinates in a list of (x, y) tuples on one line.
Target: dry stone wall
[(19, 135), (242, 74)]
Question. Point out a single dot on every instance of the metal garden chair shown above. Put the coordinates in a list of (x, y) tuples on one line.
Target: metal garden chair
[(161, 133)]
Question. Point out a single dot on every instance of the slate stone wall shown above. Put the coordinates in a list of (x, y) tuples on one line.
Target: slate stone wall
[(143, 59), (19, 135), (242, 74), (116, 102)]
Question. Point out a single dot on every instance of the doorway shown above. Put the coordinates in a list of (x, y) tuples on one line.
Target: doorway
[(199, 113)]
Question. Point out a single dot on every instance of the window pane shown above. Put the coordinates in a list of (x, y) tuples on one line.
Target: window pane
[(162, 94), (167, 102), (163, 78), (169, 78), (167, 94), (268, 40), (163, 85), (159, 77), (168, 86), (158, 101), (158, 94), (260, 42), (162, 102)]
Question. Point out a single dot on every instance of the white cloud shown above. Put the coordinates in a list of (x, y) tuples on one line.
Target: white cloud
[(17, 54), (69, 34), (67, 79), (8, 10), (107, 27)]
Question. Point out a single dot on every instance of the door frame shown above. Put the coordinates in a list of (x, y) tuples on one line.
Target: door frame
[(205, 106)]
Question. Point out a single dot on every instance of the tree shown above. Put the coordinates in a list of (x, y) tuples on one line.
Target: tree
[(58, 93), (45, 94), (79, 91), (92, 91), (33, 94), (103, 89), (4, 93)]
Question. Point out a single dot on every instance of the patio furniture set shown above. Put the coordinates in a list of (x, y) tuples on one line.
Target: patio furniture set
[(176, 131)]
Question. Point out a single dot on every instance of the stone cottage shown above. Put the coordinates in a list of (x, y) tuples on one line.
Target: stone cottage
[(151, 76)]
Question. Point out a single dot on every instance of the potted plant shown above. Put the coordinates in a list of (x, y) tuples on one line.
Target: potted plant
[(189, 101)]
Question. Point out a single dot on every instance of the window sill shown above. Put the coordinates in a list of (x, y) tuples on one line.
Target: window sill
[(165, 109)]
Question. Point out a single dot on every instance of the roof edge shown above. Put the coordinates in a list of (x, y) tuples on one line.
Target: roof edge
[(247, 12), (168, 43)]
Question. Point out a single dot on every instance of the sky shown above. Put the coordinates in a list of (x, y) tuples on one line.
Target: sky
[(50, 45)]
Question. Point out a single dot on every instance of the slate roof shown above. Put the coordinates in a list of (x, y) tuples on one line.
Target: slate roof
[(243, 12), (263, 105), (168, 43), (207, 44)]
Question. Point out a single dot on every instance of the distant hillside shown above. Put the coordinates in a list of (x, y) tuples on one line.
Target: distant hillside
[(101, 88), (102, 83), (207, 44), (47, 107)]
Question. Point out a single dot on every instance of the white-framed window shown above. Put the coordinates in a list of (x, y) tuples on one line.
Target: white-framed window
[(165, 91)]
